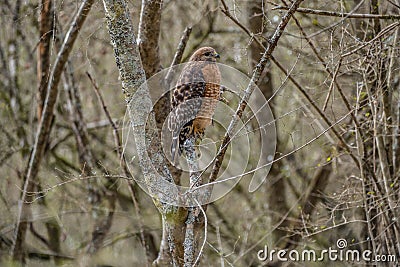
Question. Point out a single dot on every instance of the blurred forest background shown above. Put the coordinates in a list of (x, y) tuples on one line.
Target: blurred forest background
[(335, 88)]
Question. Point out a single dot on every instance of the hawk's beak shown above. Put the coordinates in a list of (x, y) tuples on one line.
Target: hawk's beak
[(216, 55)]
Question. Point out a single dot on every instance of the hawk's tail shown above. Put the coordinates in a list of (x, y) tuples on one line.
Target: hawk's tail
[(174, 145)]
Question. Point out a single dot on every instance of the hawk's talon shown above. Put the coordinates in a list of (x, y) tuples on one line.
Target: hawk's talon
[(223, 100)]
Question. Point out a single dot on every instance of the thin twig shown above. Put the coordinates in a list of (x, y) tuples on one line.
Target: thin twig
[(78, 125), (336, 23), (250, 88), (332, 75), (105, 109), (205, 233), (319, 111), (339, 14), (44, 127), (181, 46), (220, 249), (121, 156), (331, 85), (379, 35), (299, 87), (226, 11), (178, 54), (45, 191), (280, 158)]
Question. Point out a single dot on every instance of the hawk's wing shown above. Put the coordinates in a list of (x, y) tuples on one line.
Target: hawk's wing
[(186, 101)]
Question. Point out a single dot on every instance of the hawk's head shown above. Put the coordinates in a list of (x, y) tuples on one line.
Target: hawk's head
[(205, 54)]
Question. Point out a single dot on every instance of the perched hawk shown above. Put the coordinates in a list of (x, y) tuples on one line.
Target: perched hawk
[(194, 98)]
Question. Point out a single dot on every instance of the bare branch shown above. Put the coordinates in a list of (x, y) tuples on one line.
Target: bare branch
[(379, 35), (298, 86), (146, 133), (179, 53), (78, 123), (44, 127), (43, 55), (190, 243), (131, 185), (320, 112), (181, 46), (148, 35), (250, 88), (339, 14)]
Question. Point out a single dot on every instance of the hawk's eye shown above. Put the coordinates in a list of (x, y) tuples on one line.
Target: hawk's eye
[(207, 54)]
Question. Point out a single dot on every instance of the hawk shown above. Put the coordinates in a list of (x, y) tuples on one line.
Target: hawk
[(194, 98)]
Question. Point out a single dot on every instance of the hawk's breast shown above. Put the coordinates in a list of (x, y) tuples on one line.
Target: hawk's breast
[(211, 97)]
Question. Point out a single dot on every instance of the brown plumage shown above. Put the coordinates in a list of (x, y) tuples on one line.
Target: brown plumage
[(194, 98)]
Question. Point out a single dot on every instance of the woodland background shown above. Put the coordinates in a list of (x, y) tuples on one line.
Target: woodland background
[(337, 116)]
